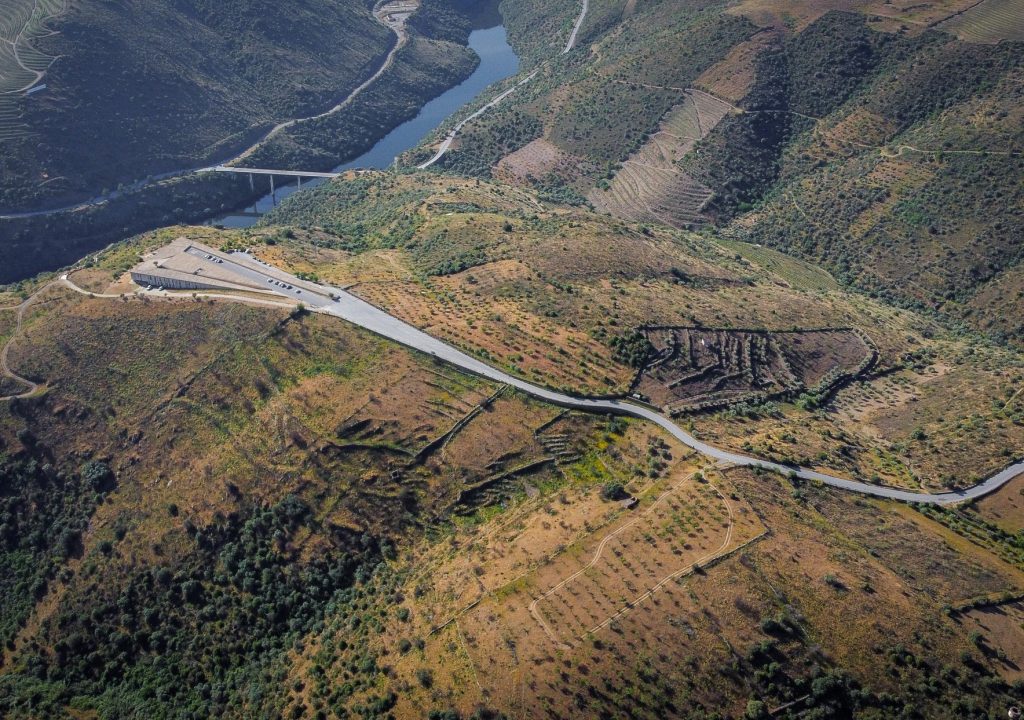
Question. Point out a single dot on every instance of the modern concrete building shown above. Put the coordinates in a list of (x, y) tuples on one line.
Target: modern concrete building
[(188, 265)]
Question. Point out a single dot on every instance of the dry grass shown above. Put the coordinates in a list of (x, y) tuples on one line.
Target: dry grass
[(479, 586), (732, 77), (858, 579), (1005, 507), (1002, 636), (889, 16), (533, 161)]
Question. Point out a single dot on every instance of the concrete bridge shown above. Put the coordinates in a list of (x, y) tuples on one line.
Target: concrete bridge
[(264, 171), (297, 174)]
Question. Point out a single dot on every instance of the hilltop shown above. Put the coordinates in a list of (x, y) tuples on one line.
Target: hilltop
[(357, 528)]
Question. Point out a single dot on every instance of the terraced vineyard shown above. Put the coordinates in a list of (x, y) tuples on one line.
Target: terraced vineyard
[(22, 23), (989, 22), (650, 186)]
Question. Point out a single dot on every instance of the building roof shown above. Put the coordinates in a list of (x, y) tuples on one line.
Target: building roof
[(186, 260)]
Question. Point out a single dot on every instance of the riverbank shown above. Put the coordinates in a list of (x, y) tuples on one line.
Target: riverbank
[(497, 62), (422, 69)]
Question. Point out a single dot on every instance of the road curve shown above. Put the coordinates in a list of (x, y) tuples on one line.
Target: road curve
[(400, 42), (444, 147), (359, 312), (344, 305), (5, 368), (453, 133)]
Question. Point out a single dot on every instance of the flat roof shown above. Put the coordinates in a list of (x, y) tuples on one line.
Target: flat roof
[(189, 261)]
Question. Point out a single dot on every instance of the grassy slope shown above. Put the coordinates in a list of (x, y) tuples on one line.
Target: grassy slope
[(268, 533), (544, 290), (586, 104), (867, 188), (260, 478), (266, 484)]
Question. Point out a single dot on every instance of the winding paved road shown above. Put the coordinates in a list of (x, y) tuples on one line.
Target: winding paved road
[(402, 38), (453, 133), (443, 148), (341, 304), (379, 13), (576, 28), (361, 313)]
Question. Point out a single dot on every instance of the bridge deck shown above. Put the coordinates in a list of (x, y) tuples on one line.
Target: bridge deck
[(264, 171)]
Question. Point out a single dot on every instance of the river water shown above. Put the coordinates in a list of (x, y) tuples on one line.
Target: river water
[(497, 62)]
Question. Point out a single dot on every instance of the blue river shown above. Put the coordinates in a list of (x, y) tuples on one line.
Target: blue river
[(497, 62)]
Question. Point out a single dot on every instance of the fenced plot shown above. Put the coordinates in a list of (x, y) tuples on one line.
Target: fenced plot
[(701, 368)]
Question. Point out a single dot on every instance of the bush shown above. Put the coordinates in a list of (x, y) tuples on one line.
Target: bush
[(613, 491), (756, 710)]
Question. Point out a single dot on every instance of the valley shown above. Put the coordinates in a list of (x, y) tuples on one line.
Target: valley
[(665, 364)]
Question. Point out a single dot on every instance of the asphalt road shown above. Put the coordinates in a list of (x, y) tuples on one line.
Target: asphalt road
[(454, 132), (450, 138), (360, 312), (576, 28)]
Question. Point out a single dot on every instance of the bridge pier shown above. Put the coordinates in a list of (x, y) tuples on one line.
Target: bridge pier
[(273, 196), (252, 185), (298, 180)]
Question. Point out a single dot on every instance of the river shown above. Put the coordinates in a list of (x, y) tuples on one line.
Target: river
[(497, 62)]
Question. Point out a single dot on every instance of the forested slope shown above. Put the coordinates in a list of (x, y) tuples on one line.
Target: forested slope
[(149, 86), (895, 161)]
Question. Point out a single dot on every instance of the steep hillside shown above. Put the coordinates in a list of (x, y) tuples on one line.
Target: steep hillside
[(557, 295), (864, 139), (126, 97), (910, 188), (422, 67), (793, 228)]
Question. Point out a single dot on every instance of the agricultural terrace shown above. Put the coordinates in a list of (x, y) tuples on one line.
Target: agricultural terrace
[(22, 65), (557, 296), (649, 186), (692, 369), (990, 21), (498, 611)]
